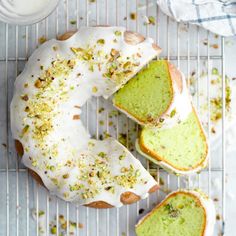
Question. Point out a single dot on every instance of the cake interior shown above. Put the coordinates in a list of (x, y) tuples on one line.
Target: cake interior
[(148, 95), (181, 214), (182, 146)]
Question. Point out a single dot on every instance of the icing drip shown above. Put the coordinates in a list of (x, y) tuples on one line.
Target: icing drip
[(46, 108), (179, 109)]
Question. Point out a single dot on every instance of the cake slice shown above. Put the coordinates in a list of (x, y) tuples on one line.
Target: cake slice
[(182, 149), (155, 96), (181, 213)]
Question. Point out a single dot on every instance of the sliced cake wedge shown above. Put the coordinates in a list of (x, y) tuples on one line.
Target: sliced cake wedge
[(182, 149), (156, 96), (181, 213)]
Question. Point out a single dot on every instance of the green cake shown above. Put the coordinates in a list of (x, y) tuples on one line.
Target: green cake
[(181, 149), (148, 95), (182, 213)]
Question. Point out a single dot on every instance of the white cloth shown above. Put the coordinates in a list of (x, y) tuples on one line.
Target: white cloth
[(217, 16)]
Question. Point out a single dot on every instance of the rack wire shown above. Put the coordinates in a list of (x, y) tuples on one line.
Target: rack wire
[(181, 44)]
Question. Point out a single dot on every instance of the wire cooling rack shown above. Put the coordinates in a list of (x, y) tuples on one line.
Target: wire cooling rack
[(190, 48)]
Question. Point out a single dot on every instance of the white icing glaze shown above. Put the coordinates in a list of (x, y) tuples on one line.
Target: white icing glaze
[(205, 201), (181, 104), (45, 116)]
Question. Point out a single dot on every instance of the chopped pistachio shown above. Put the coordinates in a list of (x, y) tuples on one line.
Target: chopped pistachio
[(54, 230), (91, 68), (66, 194), (114, 53), (118, 33), (101, 122), (122, 138), (25, 129), (173, 212), (137, 173), (133, 16), (124, 169), (101, 109), (161, 181), (73, 22), (42, 40), (121, 157), (25, 97), (34, 163), (62, 219), (52, 168), (101, 41), (152, 20), (215, 71), (173, 112), (76, 50), (94, 89), (55, 48), (127, 65), (110, 189), (102, 154), (41, 213), (64, 225)]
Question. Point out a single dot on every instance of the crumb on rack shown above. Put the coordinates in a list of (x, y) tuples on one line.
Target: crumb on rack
[(161, 181), (150, 20), (42, 40), (141, 210), (215, 46), (4, 145), (133, 16), (73, 22)]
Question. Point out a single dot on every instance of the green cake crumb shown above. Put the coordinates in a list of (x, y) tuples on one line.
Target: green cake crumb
[(180, 214), (148, 94), (183, 146)]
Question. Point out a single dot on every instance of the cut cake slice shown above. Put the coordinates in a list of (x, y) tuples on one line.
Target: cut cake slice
[(154, 95), (182, 149), (181, 213)]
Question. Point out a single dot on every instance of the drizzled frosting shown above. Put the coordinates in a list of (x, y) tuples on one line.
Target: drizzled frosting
[(57, 81)]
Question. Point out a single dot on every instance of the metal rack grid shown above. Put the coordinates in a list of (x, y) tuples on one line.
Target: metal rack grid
[(181, 44)]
